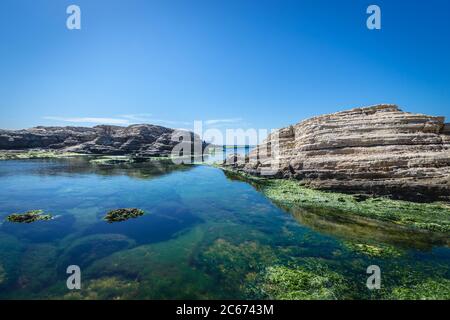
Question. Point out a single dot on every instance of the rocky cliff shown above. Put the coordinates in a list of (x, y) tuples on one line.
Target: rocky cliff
[(142, 139), (377, 150)]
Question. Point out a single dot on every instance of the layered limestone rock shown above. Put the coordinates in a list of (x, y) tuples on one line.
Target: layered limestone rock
[(142, 139), (377, 150)]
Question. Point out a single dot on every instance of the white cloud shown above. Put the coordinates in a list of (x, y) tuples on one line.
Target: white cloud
[(140, 117), (126, 119), (219, 121), (129, 119), (94, 120)]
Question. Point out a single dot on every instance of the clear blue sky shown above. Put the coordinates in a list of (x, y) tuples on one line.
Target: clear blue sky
[(249, 63)]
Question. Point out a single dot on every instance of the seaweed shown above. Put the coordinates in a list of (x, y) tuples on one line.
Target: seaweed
[(120, 215), (29, 217), (288, 194), (106, 288), (36, 154), (373, 250), (303, 283), (431, 289)]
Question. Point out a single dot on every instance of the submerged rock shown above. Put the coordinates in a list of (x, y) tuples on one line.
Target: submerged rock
[(119, 215), (373, 250), (106, 288), (431, 289), (291, 195), (2, 274), (86, 250), (300, 283), (29, 217), (377, 150)]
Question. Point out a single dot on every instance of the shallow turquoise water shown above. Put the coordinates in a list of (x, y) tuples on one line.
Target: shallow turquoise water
[(203, 236)]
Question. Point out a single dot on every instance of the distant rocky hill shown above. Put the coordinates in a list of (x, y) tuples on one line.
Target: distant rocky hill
[(378, 150), (142, 139)]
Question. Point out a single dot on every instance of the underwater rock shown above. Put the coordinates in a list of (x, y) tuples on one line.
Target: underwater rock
[(107, 288), (85, 250), (299, 283), (374, 250), (37, 267), (29, 217), (431, 289), (2, 274), (235, 265), (290, 194), (119, 215)]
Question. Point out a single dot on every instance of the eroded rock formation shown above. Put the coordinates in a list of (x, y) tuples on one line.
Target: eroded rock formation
[(377, 150), (142, 139)]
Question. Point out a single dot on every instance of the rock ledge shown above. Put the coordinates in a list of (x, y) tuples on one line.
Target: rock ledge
[(378, 150)]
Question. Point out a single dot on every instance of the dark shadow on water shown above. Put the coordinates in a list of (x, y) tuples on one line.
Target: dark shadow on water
[(41, 231)]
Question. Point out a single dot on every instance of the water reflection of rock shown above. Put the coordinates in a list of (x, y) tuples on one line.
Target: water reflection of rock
[(83, 165), (352, 227), (42, 231)]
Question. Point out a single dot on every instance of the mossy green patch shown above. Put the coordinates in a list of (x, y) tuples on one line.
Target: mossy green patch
[(374, 250), (290, 193), (120, 215), (106, 288), (29, 217), (302, 283), (111, 160), (38, 267), (35, 154), (163, 269), (236, 265), (431, 289), (10, 256)]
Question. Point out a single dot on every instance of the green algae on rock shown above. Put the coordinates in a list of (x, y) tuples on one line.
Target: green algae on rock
[(29, 217), (236, 264), (36, 154), (300, 283), (373, 250), (120, 215), (432, 289), (290, 194), (106, 288), (112, 160)]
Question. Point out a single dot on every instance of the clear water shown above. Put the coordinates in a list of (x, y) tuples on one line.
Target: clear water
[(203, 236)]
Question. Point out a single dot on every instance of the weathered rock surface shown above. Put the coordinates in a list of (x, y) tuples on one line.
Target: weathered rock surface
[(374, 150), (142, 139)]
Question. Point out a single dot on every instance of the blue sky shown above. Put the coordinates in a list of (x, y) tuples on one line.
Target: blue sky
[(243, 63)]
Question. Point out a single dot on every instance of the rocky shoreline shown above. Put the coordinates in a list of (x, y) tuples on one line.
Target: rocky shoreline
[(289, 194), (141, 140), (377, 150)]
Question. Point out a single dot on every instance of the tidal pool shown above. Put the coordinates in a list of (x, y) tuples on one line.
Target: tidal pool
[(203, 237)]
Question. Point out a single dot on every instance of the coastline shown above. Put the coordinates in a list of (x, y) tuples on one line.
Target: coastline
[(287, 193)]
